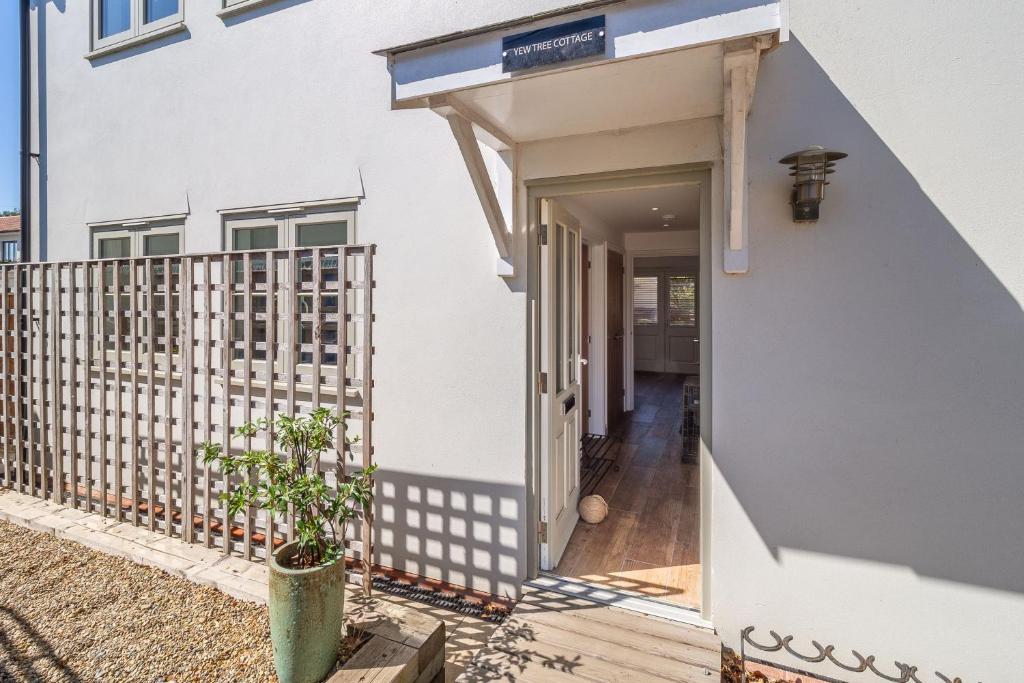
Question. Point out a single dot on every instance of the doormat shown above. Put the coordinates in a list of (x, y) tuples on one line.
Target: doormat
[(597, 459), (438, 597)]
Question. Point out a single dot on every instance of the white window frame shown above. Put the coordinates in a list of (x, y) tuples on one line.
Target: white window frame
[(287, 223), (137, 234), (287, 219), (137, 31), (3, 250)]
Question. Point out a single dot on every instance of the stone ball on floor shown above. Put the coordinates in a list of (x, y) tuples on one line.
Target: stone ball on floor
[(593, 509)]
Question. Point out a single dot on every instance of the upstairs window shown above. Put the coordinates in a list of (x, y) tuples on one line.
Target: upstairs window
[(117, 22)]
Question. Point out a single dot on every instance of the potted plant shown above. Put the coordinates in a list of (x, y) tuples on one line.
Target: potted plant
[(307, 576)]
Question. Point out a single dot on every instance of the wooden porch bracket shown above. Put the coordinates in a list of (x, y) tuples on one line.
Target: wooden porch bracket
[(462, 123), (740, 78)]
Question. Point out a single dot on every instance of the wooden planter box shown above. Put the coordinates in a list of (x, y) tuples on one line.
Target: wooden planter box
[(405, 646)]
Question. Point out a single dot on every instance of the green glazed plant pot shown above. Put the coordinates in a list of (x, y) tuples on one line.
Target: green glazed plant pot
[(306, 609)]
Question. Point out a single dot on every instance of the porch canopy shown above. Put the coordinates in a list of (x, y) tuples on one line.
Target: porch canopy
[(612, 65)]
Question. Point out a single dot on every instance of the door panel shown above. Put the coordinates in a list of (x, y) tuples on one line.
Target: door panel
[(616, 333), (648, 347), (561, 336), (665, 320), (682, 328), (585, 339), (648, 322)]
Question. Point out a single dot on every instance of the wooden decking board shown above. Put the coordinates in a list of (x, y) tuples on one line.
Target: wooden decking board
[(625, 620), (566, 659), (595, 643), (606, 636), (496, 665), (552, 638)]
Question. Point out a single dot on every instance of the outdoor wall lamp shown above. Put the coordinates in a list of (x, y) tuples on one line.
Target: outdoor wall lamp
[(810, 168)]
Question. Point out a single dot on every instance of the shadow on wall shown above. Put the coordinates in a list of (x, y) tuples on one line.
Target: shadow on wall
[(469, 533), (884, 408)]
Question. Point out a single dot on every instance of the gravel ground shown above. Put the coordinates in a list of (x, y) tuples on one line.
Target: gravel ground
[(72, 615)]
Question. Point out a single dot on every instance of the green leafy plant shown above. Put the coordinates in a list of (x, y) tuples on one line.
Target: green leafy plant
[(293, 482)]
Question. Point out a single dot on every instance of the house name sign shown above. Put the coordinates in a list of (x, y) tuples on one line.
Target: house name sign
[(553, 45)]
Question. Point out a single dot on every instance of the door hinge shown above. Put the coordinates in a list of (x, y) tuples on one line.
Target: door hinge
[(542, 532), (588, 412), (542, 382), (543, 234)]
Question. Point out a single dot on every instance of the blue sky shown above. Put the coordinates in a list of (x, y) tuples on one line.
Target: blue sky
[(10, 102)]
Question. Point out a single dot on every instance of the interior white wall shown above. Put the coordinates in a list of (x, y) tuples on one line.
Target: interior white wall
[(676, 241), (598, 390)]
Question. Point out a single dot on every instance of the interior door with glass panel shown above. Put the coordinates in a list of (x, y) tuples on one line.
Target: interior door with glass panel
[(682, 331), (560, 363), (648, 321)]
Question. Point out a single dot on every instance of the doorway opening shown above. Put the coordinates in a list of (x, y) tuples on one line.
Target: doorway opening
[(620, 327)]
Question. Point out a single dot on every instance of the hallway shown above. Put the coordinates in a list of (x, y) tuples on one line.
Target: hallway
[(650, 541)]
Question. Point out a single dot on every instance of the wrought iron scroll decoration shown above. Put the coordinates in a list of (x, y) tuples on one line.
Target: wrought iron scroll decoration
[(905, 673)]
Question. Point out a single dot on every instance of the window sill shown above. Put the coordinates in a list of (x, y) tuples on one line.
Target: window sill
[(241, 7), (135, 41)]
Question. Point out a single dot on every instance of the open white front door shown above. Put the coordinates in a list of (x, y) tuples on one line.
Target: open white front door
[(560, 362)]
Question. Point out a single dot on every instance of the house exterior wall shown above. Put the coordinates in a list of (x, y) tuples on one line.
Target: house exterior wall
[(869, 370), (288, 104), (866, 453)]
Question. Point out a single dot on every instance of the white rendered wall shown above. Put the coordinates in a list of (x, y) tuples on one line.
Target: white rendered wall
[(288, 104), (869, 371)]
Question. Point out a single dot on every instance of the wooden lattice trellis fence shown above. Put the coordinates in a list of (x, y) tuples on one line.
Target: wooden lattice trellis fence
[(115, 371)]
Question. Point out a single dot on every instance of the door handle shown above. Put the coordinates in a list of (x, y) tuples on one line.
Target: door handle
[(583, 361), (696, 341), (617, 337)]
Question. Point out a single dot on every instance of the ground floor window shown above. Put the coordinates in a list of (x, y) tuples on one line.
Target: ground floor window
[(290, 228), (120, 241)]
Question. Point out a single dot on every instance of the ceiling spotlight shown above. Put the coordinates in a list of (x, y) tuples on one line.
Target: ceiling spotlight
[(654, 208), (664, 225)]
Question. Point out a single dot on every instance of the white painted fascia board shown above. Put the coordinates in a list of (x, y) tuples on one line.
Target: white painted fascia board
[(632, 30)]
